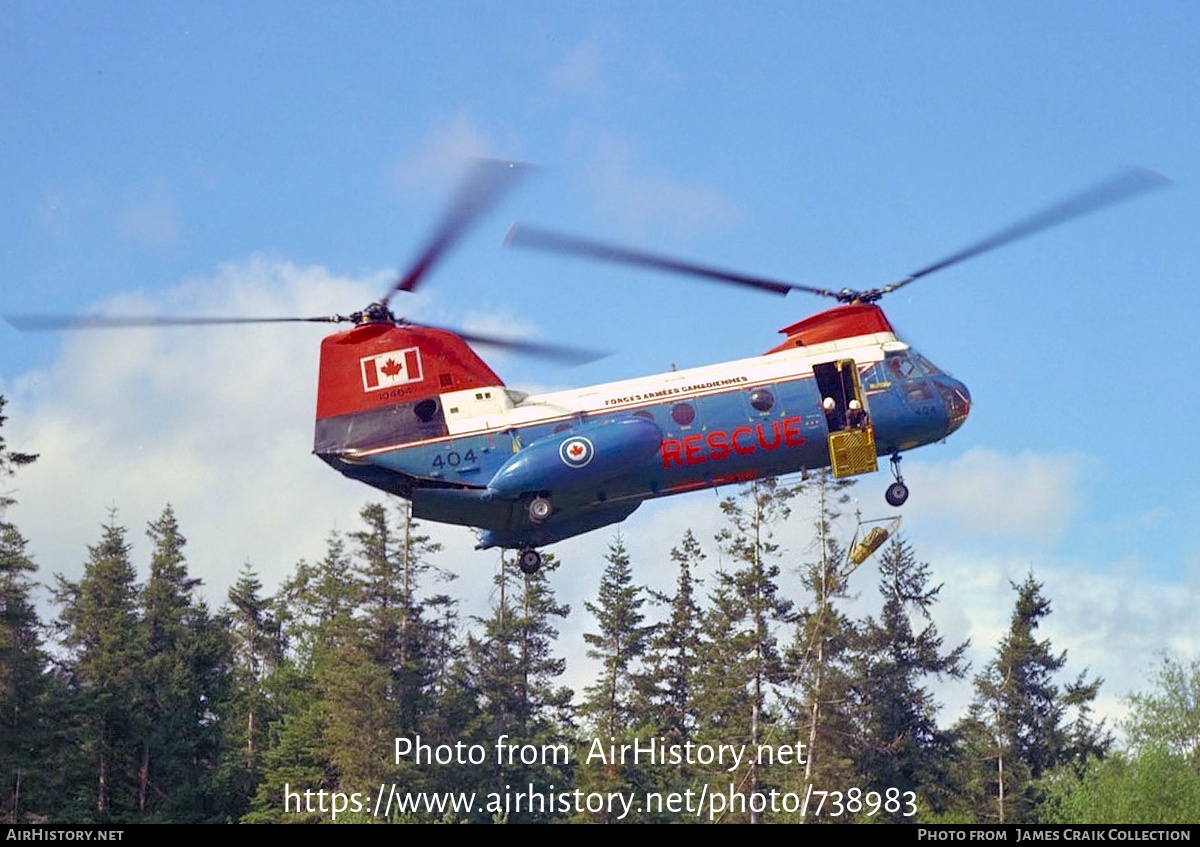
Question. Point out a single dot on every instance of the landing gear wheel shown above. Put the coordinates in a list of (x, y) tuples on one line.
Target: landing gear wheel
[(540, 509), (897, 493), (529, 561)]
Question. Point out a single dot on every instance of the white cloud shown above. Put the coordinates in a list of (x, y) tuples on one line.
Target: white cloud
[(636, 199), (215, 420), (983, 492), (1112, 620), (441, 156)]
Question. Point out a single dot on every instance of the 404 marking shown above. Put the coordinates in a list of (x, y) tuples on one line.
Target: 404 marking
[(452, 459)]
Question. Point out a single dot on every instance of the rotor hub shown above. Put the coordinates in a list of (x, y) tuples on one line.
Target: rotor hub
[(376, 313)]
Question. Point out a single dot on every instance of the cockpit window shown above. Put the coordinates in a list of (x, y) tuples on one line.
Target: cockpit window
[(930, 368), (900, 366), (918, 392)]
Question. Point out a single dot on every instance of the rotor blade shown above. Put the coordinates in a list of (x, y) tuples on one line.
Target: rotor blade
[(483, 186), (1116, 189), (50, 323), (542, 239), (558, 352)]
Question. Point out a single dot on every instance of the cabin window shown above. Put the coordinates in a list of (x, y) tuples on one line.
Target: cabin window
[(762, 400), (683, 413)]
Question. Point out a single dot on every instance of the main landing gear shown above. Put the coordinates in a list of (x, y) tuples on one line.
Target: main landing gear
[(539, 510), (529, 561), (897, 492)]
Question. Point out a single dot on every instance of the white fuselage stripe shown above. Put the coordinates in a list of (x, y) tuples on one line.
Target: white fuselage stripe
[(640, 392)]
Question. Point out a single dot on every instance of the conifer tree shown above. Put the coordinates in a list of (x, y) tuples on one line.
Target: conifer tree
[(165, 600), (322, 687), (453, 712), (185, 675), (821, 654), (742, 628), (669, 708), (612, 705), (444, 645), (294, 758), (619, 645), (722, 692), (514, 672), (105, 645), (316, 603), (1018, 726), (257, 653), (10, 460), (357, 714), (25, 738), (900, 745), (392, 562), (675, 648)]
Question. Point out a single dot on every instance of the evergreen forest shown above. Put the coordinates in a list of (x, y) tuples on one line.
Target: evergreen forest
[(359, 692)]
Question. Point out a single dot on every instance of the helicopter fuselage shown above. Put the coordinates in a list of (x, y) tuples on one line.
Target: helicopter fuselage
[(533, 470)]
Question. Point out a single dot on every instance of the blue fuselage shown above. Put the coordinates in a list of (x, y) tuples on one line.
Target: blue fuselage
[(597, 453)]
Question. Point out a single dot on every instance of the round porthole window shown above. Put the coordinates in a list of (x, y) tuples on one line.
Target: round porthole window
[(683, 413), (425, 410), (762, 400)]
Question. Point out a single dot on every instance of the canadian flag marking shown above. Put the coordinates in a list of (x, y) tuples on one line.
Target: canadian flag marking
[(396, 367)]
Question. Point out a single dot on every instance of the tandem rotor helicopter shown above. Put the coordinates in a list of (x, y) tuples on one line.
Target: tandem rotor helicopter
[(412, 409)]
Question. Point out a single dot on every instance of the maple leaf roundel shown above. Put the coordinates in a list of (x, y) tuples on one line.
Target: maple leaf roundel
[(576, 451)]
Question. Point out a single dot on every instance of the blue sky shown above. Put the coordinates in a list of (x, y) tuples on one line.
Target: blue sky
[(288, 158)]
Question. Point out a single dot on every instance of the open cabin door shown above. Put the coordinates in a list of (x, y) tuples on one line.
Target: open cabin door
[(851, 438)]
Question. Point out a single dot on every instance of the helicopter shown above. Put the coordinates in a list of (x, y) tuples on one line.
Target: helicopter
[(412, 409)]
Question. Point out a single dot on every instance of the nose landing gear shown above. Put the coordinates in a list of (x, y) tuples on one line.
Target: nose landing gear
[(897, 492)]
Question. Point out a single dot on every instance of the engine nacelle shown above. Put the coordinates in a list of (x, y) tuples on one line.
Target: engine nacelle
[(576, 458)]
